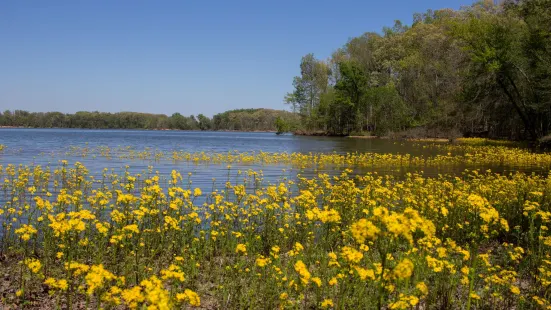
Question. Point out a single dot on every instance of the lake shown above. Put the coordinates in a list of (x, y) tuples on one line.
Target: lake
[(49, 146), (34, 141)]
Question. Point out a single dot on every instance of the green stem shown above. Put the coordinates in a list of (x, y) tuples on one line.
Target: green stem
[(471, 276), (381, 280)]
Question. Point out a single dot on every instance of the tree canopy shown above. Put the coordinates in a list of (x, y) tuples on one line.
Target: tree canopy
[(245, 120), (252, 120), (482, 70)]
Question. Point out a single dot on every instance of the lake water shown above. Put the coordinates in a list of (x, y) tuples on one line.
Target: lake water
[(34, 141), (49, 146)]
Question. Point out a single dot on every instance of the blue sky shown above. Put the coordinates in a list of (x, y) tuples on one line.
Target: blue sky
[(174, 56)]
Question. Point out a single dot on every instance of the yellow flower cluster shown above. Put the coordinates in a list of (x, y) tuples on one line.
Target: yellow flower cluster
[(471, 152), (26, 231), (331, 240), (33, 264)]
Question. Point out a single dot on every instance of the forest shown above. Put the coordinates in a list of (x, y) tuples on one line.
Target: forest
[(244, 120), (483, 70)]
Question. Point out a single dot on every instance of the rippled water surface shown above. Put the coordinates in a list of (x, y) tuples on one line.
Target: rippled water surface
[(49, 146), (34, 141)]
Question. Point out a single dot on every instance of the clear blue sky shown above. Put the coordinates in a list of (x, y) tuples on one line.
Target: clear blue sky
[(173, 56)]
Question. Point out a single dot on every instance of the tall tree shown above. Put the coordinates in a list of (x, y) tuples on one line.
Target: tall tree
[(309, 87), (501, 42)]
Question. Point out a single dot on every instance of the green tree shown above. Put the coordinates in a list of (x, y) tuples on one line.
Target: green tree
[(350, 97), (281, 125), (204, 122), (510, 58), (308, 88)]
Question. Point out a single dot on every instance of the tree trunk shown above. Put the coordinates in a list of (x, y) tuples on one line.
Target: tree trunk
[(527, 124)]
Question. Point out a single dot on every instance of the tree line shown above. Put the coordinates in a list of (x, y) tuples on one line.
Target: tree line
[(255, 120), (243, 120), (483, 70)]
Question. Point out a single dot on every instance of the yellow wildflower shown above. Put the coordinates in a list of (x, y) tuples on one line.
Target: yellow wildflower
[(327, 303)]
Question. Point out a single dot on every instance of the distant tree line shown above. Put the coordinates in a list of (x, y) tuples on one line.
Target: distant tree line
[(244, 120), (103, 120), (482, 70), (255, 120)]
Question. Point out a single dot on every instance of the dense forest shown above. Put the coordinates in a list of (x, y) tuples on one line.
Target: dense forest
[(483, 70), (245, 120)]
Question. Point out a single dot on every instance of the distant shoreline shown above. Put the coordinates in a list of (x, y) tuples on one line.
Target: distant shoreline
[(141, 129), (295, 133)]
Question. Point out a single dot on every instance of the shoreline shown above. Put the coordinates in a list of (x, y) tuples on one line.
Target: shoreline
[(295, 133), (137, 129)]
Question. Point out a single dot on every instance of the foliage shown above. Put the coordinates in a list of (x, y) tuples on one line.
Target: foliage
[(95, 120), (483, 70), (252, 119), (245, 120), (281, 126)]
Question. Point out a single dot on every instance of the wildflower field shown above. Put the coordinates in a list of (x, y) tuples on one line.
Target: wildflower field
[(72, 238)]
